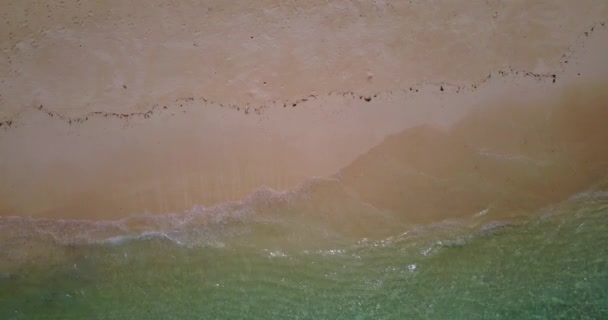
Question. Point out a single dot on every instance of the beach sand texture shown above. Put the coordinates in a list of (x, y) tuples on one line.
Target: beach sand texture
[(121, 108)]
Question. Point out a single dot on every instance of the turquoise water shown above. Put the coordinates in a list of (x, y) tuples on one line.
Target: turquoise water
[(552, 264)]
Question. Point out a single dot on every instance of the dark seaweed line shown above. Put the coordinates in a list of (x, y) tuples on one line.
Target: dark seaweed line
[(441, 86)]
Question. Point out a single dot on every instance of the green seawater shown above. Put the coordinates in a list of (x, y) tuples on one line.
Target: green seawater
[(550, 265)]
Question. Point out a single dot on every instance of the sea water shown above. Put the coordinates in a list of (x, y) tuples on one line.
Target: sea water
[(233, 263)]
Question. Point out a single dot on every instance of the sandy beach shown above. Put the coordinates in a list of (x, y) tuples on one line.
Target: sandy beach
[(319, 159), (108, 113)]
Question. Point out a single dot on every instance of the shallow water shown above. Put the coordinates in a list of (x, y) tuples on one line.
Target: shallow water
[(551, 265)]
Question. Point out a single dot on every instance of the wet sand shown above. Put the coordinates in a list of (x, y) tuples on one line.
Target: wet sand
[(507, 160)]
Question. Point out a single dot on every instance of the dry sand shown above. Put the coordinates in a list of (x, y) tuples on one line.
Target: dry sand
[(115, 109)]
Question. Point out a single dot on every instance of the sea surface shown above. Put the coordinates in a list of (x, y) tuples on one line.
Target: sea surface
[(273, 256)]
